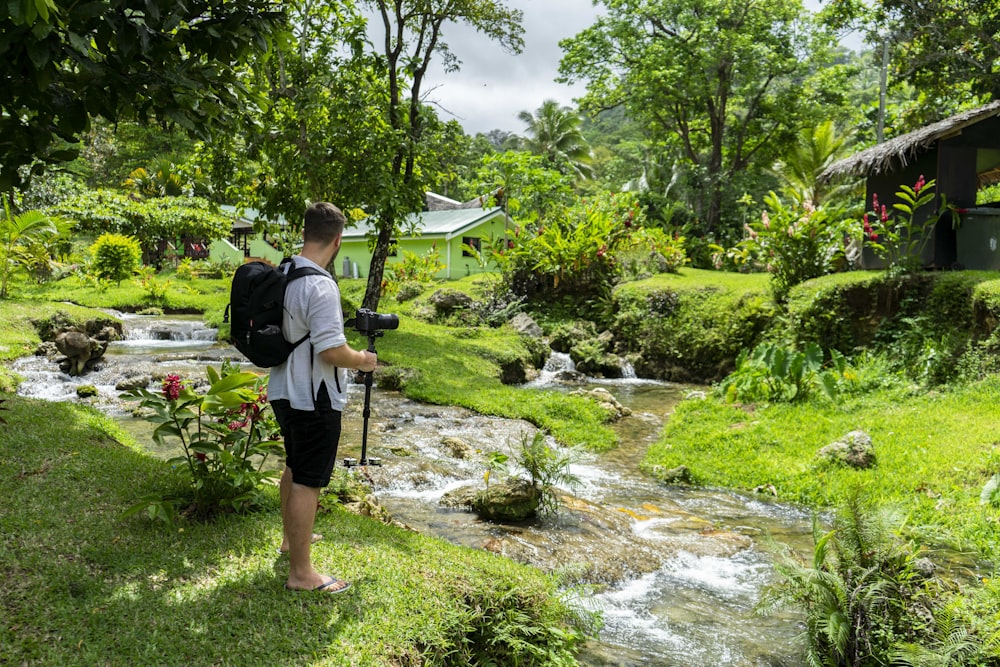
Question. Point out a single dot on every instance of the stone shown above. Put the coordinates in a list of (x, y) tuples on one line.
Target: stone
[(854, 450), (460, 498), (79, 350), (86, 391), (457, 447), (133, 382), (679, 475), (509, 500), (449, 300), (606, 400), (523, 324)]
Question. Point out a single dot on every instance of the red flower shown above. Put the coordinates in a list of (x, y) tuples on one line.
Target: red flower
[(918, 186), (172, 387), (200, 456), (885, 214)]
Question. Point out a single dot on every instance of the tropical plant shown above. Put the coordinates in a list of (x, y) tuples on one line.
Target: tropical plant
[(226, 433), (115, 257), (554, 133), (900, 238), (547, 468), (16, 234), (414, 268), (773, 373), (793, 243), (163, 179), (800, 169), (864, 595), (572, 253)]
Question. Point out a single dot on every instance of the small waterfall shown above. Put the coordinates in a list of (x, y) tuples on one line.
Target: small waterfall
[(559, 361), (628, 370)]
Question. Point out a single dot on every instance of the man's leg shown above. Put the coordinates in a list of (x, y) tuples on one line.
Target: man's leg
[(299, 514)]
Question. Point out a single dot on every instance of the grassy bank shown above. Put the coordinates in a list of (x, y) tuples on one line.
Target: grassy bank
[(84, 586), (934, 450)]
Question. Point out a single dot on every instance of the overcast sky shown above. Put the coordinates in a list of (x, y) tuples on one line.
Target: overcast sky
[(493, 86)]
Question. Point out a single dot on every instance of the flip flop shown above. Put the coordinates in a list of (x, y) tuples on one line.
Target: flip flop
[(316, 537), (333, 586)]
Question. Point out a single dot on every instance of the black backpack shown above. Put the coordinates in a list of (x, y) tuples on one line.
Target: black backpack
[(256, 304)]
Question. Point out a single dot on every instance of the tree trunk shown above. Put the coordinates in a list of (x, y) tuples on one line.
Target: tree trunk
[(373, 292)]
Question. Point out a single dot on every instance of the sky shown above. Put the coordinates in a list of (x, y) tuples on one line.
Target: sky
[(493, 86)]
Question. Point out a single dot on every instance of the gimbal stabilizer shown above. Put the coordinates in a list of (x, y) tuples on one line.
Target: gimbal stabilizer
[(370, 324)]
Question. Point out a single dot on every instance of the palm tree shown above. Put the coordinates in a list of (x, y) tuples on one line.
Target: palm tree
[(817, 148), (15, 233), (554, 132)]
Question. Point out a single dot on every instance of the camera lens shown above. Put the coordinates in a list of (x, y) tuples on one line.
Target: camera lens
[(388, 322)]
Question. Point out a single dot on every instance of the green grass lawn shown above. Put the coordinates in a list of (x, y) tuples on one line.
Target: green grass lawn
[(85, 586), (935, 450)]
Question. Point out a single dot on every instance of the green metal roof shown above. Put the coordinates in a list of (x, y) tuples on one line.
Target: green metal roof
[(434, 223)]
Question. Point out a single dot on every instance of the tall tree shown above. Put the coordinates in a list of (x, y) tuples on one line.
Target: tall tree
[(720, 84), (554, 133), (948, 50), (62, 62), (413, 32)]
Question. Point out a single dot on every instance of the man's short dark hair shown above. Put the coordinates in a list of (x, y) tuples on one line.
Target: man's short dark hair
[(323, 223)]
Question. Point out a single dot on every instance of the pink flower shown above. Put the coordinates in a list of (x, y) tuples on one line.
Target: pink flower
[(885, 214), (172, 387), (236, 425), (766, 219), (918, 186), (875, 201)]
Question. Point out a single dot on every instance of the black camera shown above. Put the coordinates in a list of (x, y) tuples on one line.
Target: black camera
[(367, 322)]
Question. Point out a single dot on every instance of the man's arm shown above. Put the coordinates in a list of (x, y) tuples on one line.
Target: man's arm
[(344, 356)]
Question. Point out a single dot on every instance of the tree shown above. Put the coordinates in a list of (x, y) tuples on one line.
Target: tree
[(721, 85), (799, 170), (412, 36), (554, 133), (63, 62), (949, 50)]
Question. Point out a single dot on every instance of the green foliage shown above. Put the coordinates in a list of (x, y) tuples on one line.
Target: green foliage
[(17, 236), (773, 373), (751, 91), (900, 238), (150, 219), (554, 133), (413, 269), (156, 291), (547, 468), (863, 595), (793, 243), (528, 189), (227, 434), (690, 326), (115, 257), (572, 254)]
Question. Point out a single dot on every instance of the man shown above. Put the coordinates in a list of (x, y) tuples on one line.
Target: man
[(309, 392)]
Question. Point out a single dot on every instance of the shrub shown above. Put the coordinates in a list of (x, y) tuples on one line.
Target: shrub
[(900, 238), (793, 243), (413, 269), (226, 434), (115, 257), (774, 373)]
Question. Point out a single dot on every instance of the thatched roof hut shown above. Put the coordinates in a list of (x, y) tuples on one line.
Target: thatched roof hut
[(961, 153), (898, 152)]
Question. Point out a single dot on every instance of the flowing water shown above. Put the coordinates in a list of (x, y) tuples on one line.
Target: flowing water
[(675, 571)]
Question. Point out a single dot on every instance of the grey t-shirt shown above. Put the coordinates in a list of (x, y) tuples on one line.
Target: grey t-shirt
[(312, 305)]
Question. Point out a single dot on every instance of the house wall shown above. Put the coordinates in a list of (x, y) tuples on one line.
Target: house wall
[(449, 251)]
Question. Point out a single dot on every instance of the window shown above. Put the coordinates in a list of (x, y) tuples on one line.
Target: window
[(472, 242)]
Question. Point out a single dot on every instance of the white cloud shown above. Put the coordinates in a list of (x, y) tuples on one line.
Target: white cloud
[(493, 86)]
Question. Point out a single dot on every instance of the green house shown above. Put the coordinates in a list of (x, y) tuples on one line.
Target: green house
[(447, 228)]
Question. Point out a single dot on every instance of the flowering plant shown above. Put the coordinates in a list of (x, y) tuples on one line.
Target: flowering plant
[(899, 237), (794, 243), (226, 434)]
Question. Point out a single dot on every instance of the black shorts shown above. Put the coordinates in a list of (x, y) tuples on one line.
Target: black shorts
[(311, 439)]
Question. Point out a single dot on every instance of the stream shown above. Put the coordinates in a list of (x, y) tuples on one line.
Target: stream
[(675, 571)]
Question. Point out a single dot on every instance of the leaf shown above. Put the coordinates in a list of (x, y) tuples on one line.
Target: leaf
[(234, 381)]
